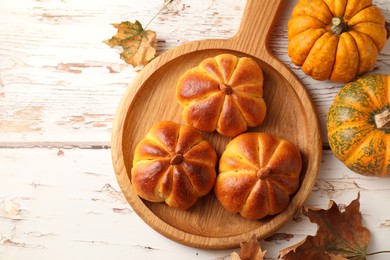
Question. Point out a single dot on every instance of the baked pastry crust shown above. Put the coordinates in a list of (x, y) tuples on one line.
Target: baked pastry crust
[(224, 93), (257, 174), (174, 164)]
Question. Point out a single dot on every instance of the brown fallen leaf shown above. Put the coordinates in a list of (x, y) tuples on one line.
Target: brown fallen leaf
[(250, 250), (138, 44), (340, 235)]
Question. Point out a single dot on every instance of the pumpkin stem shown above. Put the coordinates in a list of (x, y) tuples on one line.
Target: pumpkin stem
[(338, 25), (382, 119)]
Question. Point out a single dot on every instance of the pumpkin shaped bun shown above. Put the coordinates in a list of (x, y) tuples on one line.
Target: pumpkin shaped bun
[(224, 93), (257, 174), (359, 125), (174, 164), (336, 40)]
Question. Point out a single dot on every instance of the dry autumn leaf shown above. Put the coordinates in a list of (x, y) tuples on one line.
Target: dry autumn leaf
[(340, 235), (138, 44), (250, 250)]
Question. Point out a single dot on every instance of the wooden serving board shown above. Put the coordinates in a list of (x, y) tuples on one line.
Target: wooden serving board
[(150, 98)]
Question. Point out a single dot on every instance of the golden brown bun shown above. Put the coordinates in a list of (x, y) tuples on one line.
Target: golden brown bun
[(257, 174), (224, 93), (174, 164)]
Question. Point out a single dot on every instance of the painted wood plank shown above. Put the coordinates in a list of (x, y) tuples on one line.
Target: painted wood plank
[(66, 204), (59, 88), (59, 82)]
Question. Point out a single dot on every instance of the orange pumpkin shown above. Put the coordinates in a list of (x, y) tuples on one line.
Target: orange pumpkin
[(358, 125), (336, 39)]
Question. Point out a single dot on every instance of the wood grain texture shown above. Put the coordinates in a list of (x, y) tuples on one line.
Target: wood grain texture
[(54, 48), (73, 208), (59, 90), (54, 51), (149, 100)]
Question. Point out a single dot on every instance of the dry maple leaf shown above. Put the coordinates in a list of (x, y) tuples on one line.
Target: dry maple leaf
[(250, 250), (340, 235), (138, 44)]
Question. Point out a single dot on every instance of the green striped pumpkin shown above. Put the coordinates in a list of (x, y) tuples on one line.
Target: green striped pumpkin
[(358, 125)]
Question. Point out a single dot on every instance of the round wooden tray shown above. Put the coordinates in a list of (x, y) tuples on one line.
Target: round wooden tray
[(151, 98)]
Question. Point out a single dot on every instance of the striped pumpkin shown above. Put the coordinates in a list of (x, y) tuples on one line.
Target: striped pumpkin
[(358, 125)]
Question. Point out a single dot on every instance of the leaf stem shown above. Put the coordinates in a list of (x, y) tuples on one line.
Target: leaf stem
[(154, 17), (379, 252)]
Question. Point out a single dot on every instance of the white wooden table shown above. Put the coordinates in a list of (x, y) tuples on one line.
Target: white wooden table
[(59, 88)]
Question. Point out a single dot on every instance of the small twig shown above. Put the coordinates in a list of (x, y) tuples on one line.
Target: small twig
[(379, 252), (154, 17)]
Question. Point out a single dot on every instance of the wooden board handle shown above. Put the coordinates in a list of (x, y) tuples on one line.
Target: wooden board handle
[(257, 24)]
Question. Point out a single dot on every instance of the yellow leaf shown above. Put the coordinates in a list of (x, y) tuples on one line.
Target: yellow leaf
[(137, 43)]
